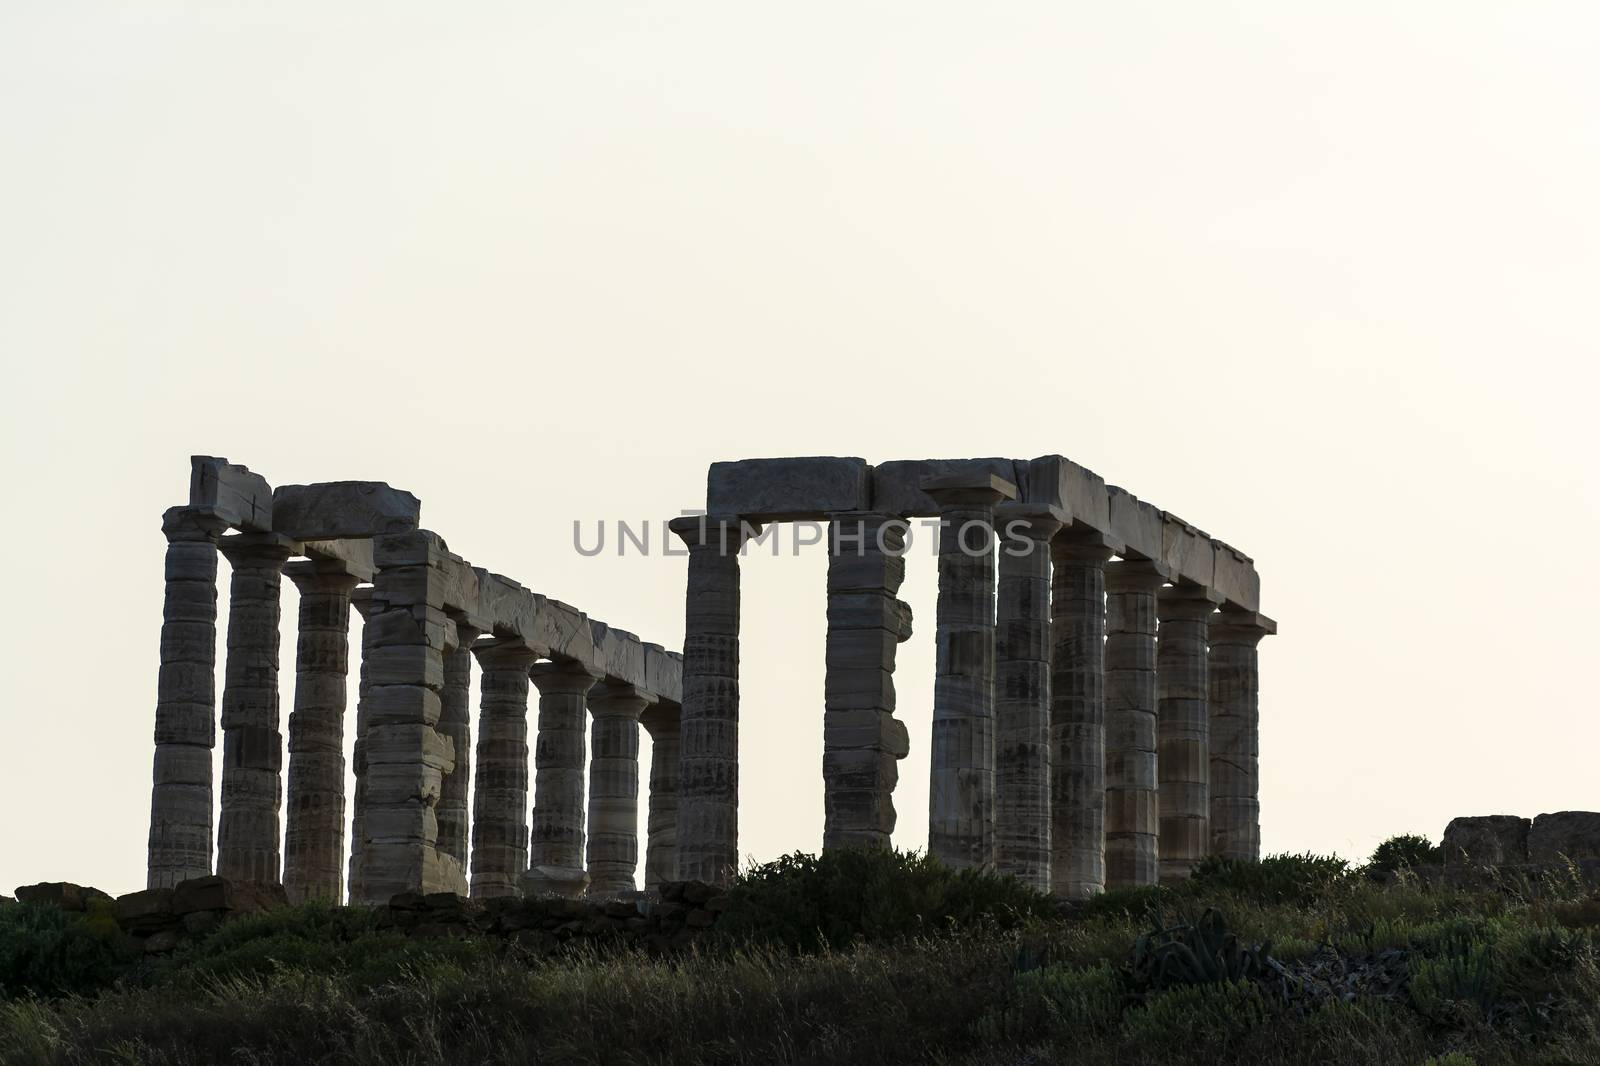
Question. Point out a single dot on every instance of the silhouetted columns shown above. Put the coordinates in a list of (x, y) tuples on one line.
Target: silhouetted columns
[(361, 600), (708, 763), (1077, 714), (862, 740), (1022, 692), (313, 851), (961, 785), (252, 744), (455, 722), (614, 787), (661, 721), (500, 802), (556, 846), (1235, 688), (1132, 811), (186, 701), (1183, 731)]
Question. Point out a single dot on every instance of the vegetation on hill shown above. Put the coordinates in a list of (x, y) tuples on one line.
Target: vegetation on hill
[(870, 957)]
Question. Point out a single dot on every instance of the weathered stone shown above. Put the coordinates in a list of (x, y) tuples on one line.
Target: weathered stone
[(1077, 714), (500, 804), (613, 845), (1235, 686), (231, 493), (1187, 551), (775, 490), (63, 894), (1183, 736), (1138, 525), (1487, 840), (556, 842), (663, 722), (1555, 838), (618, 654), (1235, 577), (663, 673), (899, 487), (334, 510), (1132, 699), (1054, 481)]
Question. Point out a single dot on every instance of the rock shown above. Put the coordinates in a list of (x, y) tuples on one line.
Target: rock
[(762, 490), (672, 891), (213, 893), (335, 510), (199, 923), (146, 911), (64, 894), (161, 942), (1564, 835), (718, 904), (700, 919), (1487, 840), (697, 892)]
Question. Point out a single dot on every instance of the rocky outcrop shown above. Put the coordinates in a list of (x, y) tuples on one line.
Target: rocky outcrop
[(1488, 840), (1564, 835)]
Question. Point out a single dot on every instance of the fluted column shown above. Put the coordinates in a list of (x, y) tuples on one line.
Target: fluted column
[(1183, 730), (961, 779), (556, 845), (1077, 714), (613, 851), (1132, 810), (661, 721), (1235, 687), (455, 722), (186, 702), (252, 743), (708, 763), (500, 802), (361, 600), (862, 740), (313, 852), (1022, 692)]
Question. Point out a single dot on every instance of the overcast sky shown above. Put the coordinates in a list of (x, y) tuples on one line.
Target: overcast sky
[(1320, 278)]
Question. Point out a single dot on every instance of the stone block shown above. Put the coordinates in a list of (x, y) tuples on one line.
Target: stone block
[(405, 664), (64, 894), (1187, 551), (1234, 575), (1055, 481), (1563, 835), (354, 557), (1138, 525), (231, 493), (562, 630), (897, 486), (1488, 840), (335, 510), (763, 490), (146, 911), (663, 673), (400, 704), (618, 654)]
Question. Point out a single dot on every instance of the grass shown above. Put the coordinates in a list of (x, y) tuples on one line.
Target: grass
[(980, 972)]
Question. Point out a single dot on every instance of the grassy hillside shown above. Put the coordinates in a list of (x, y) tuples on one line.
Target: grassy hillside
[(861, 958)]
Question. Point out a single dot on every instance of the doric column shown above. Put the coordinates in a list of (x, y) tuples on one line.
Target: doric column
[(1022, 692), (186, 702), (313, 850), (862, 740), (556, 845), (361, 600), (252, 744), (661, 721), (455, 722), (961, 786), (500, 802), (1132, 810), (708, 763), (1077, 714), (1235, 687), (614, 788), (1184, 729)]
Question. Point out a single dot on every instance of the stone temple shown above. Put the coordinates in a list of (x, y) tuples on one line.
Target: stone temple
[(1095, 715)]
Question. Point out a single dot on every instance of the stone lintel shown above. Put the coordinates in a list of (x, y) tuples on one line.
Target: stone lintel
[(1136, 524), (1056, 481), (618, 654), (1188, 551), (231, 492), (897, 487), (1234, 575), (334, 510), (266, 543), (777, 490), (949, 490), (353, 556)]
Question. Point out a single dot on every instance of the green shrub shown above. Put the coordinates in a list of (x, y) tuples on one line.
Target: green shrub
[(1403, 852), (1057, 1003), (1204, 1015), (1206, 952), (1296, 879), (49, 952), (806, 902)]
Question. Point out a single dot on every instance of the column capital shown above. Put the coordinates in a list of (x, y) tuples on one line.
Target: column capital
[(662, 718), (1233, 626), (968, 490), (1081, 544), (1136, 575), (558, 676), (724, 533), (1187, 602), (191, 524), (618, 699), (1036, 521), (318, 575), (493, 653), (260, 549), (361, 600)]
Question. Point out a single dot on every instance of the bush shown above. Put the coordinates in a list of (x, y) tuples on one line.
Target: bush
[(49, 952), (1403, 852), (866, 895), (1057, 1003), (1296, 879), (1204, 1015)]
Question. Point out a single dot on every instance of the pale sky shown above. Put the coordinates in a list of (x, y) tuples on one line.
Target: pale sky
[(1319, 278)]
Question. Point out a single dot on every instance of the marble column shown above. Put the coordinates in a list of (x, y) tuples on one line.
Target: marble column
[(661, 721), (252, 743), (556, 845), (186, 702), (613, 851), (1183, 734), (862, 740), (708, 763), (1132, 810), (1077, 714), (361, 600), (500, 802), (961, 779), (313, 850), (455, 722), (1235, 688), (1022, 692)]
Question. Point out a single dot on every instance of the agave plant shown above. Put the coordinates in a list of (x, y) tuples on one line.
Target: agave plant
[(1205, 952)]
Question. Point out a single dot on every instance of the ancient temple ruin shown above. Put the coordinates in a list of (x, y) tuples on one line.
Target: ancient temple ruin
[(1095, 708)]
